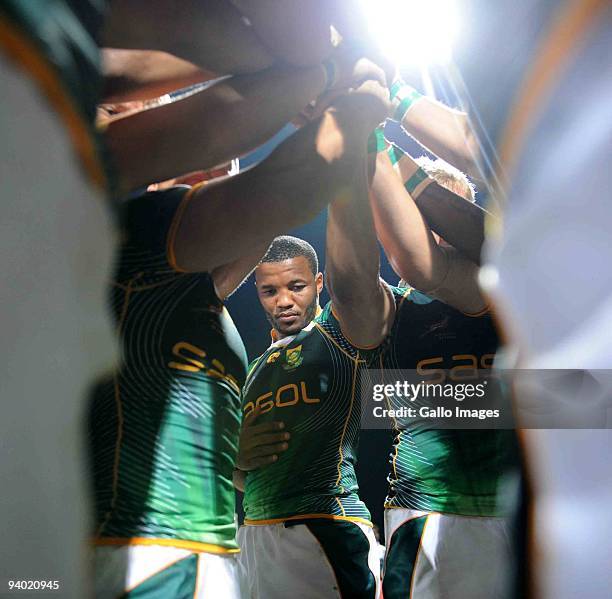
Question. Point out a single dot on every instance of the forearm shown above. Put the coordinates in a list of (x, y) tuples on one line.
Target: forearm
[(239, 479), (143, 74), (229, 277), (412, 250), (160, 143), (454, 218), (294, 31), (352, 269), (442, 130), (405, 235), (459, 287), (446, 133), (290, 188), (210, 34), (352, 256), (360, 301)]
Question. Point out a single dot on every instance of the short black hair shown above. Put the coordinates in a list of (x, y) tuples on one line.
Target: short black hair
[(286, 247)]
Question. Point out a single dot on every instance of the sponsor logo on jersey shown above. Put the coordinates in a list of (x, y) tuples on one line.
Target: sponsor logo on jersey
[(273, 357), (293, 358), (440, 330)]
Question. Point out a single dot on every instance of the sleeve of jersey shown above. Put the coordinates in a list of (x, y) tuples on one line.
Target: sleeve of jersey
[(252, 365), (148, 227), (331, 326), (412, 295)]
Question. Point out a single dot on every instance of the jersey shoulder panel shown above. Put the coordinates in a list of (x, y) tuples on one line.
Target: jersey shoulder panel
[(411, 295), (146, 223), (328, 324)]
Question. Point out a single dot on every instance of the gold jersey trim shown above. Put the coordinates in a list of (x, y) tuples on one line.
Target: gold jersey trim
[(19, 48), (176, 223), (307, 517), (178, 543)]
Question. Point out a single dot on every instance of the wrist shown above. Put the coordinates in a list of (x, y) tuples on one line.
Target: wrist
[(417, 182), (376, 141), (403, 97), (330, 72), (395, 154)]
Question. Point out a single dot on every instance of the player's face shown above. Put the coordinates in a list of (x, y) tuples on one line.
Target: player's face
[(289, 294)]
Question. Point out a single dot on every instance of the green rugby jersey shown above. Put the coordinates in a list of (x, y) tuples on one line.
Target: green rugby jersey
[(165, 429), (311, 383), (55, 42), (451, 471)]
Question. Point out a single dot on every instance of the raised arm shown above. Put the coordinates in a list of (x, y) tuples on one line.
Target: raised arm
[(209, 127), (444, 131), (414, 253), (405, 235), (227, 37), (141, 74), (360, 299), (457, 220), (302, 176), (223, 121), (227, 278)]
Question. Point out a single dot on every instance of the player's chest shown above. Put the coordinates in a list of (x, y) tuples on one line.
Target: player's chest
[(297, 379), (435, 336)]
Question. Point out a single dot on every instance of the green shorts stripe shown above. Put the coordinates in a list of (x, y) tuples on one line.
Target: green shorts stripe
[(177, 581), (400, 562), (347, 549)]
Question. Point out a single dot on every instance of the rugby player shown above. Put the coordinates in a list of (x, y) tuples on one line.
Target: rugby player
[(164, 430), (57, 237), (56, 242), (546, 267), (254, 106), (307, 533), (450, 493)]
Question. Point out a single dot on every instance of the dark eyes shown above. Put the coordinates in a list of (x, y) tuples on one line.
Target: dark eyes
[(295, 288)]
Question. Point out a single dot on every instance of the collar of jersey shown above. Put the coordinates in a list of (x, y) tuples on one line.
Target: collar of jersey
[(287, 340)]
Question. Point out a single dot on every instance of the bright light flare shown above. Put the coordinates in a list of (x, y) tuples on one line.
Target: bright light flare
[(413, 32)]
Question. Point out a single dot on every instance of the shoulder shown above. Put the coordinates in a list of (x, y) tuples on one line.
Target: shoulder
[(147, 208), (326, 315), (329, 324), (409, 296), (147, 220)]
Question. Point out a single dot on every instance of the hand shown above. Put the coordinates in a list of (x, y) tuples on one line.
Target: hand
[(316, 108), (352, 67), (260, 444), (363, 109)]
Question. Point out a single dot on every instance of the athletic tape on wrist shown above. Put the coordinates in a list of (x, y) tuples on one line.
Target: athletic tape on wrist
[(397, 85), (376, 141), (329, 68), (419, 176), (406, 103), (395, 154)]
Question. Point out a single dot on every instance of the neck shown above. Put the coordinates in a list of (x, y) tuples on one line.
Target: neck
[(278, 335)]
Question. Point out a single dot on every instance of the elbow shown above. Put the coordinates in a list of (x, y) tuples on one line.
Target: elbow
[(414, 276), (238, 480), (468, 153)]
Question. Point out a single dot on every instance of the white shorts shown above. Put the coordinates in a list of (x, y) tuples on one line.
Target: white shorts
[(440, 556), (56, 242), (308, 559), (169, 572)]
